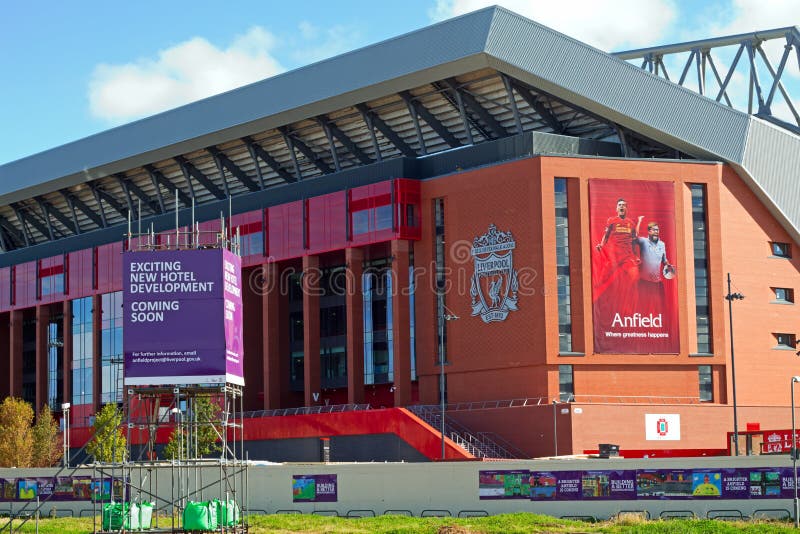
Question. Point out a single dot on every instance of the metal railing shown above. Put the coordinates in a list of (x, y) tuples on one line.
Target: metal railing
[(307, 410), (478, 444), (582, 399), (633, 399)]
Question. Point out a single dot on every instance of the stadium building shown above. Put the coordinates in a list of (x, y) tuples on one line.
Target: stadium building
[(552, 222)]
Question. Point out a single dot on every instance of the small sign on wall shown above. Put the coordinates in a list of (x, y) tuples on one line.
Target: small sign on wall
[(662, 427)]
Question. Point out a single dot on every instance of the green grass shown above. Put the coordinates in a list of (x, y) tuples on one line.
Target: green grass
[(521, 523)]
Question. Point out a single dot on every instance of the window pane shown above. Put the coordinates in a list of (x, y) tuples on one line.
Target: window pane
[(361, 222), (383, 217)]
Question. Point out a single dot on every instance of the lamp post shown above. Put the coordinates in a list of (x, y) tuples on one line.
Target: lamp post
[(794, 458), (65, 409), (730, 297), (445, 317), (555, 427)]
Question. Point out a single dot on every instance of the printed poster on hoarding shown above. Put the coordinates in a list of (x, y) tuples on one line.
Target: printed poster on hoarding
[(27, 489), (513, 484), (9, 489), (543, 485), (607, 485), (663, 483), (314, 488), (82, 488), (634, 277), (642, 484), (63, 489)]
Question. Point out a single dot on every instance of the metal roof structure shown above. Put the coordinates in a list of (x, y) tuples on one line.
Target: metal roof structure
[(480, 77)]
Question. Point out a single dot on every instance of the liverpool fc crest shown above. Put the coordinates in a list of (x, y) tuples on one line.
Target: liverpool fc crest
[(494, 283)]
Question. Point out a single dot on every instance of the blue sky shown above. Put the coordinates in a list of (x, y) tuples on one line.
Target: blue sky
[(72, 69)]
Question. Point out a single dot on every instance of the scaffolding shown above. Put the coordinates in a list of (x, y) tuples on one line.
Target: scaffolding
[(190, 475), (204, 460)]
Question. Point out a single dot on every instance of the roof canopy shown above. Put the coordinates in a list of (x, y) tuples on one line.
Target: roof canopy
[(479, 77)]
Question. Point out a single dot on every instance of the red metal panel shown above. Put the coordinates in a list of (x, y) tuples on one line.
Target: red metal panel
[(51, 266), (408, 200), (5, 288), (248, 224), (370, 213), (327, 223), (104, 268), (244, 220), (209, 231), (115, 281), (80, 273), (327, 230), (26, 285), (285, 224), (398, 421)]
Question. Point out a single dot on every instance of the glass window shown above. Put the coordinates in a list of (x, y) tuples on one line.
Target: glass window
[(55, 360), (441, 324), (29, 358), (332, 321), (253, 244), (378, 337), (785, 341), (296, 368), (411, 216), (82, 351), (562, 267), (701, 279), (781, 250), (333, 367), (383, 217), (361, 222), (53, 284), (296, 326), (566, 387), (111, 348), (783, 294), (705, 383)]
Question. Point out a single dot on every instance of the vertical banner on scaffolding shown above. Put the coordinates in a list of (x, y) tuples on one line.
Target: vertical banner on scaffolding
[(182, 317)]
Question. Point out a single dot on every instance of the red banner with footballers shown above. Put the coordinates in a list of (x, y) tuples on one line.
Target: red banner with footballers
[(634, 278)]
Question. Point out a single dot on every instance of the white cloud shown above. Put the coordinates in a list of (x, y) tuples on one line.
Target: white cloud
[(184, 73), (747, 16), (319, 44), (307, 29), (611, 25), (743, 16)]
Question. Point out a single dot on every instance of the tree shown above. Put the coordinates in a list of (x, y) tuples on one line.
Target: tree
[(16, 417), (47, 445), (203, 421), (108, 443)]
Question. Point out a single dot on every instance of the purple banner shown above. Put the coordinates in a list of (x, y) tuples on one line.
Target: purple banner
[(232, 293), (314, 488), (568, 485), (504, 484), (182, 317)]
